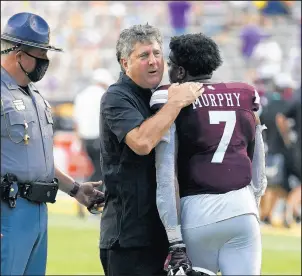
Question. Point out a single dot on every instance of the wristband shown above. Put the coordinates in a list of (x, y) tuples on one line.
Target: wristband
[(75, 189), (177, 244)]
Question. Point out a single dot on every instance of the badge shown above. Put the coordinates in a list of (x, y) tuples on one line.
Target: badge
[(19, 105), (47, 103)]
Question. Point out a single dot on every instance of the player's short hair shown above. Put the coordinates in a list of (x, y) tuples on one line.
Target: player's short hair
[(136, 33), (197, 53)]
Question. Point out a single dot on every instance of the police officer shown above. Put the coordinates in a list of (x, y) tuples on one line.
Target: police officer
[(133, 240), (29, 177)]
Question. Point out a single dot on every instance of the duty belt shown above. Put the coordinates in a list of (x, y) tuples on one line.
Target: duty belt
[(40, 192)]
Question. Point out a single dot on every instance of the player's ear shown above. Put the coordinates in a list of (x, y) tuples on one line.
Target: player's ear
[(181, 73)]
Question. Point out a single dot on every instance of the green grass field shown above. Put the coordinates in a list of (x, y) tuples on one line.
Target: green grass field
[(73, 248)]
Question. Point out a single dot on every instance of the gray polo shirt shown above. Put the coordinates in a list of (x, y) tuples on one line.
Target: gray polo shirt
[(33, 161)]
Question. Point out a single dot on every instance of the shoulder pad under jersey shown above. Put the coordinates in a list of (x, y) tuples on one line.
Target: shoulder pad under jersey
[(159, 97)]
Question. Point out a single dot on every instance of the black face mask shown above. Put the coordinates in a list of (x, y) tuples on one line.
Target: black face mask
[(39, 71)]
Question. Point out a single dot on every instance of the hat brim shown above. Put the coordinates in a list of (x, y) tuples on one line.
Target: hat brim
[(31, 44)]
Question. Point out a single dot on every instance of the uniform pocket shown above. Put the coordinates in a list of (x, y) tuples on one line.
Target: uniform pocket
[(13, 124)]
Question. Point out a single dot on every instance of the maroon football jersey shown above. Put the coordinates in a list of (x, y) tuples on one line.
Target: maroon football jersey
[(213, 134)]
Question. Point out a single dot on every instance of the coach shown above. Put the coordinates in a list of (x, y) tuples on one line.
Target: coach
[(133, 239)]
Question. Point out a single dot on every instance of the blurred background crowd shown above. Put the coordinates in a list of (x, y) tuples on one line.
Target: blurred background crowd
[(260, 43)]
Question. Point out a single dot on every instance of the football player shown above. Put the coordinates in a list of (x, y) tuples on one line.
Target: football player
[(220, 167)]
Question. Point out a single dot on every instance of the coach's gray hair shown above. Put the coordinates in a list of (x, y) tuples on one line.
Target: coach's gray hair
[(137, 33)]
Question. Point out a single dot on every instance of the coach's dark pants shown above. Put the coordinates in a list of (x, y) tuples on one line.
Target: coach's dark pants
[(142, 261)]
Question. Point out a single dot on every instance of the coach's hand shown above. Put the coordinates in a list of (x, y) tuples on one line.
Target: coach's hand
[(184, 94), (177, 262)]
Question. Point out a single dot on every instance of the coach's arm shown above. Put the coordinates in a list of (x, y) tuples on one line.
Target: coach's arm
[(145, 137)]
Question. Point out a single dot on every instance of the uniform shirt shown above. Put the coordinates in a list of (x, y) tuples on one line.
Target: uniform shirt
[(34, 161), (200, 209), (130, 217), (214, 133), (87, 111)]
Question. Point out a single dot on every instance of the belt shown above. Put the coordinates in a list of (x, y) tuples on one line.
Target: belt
[(40, 192)]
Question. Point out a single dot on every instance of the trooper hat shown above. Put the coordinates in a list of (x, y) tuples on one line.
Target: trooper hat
[(27, 29)]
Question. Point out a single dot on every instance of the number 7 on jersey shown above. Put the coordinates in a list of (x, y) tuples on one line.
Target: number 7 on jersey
[(229, 117)]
